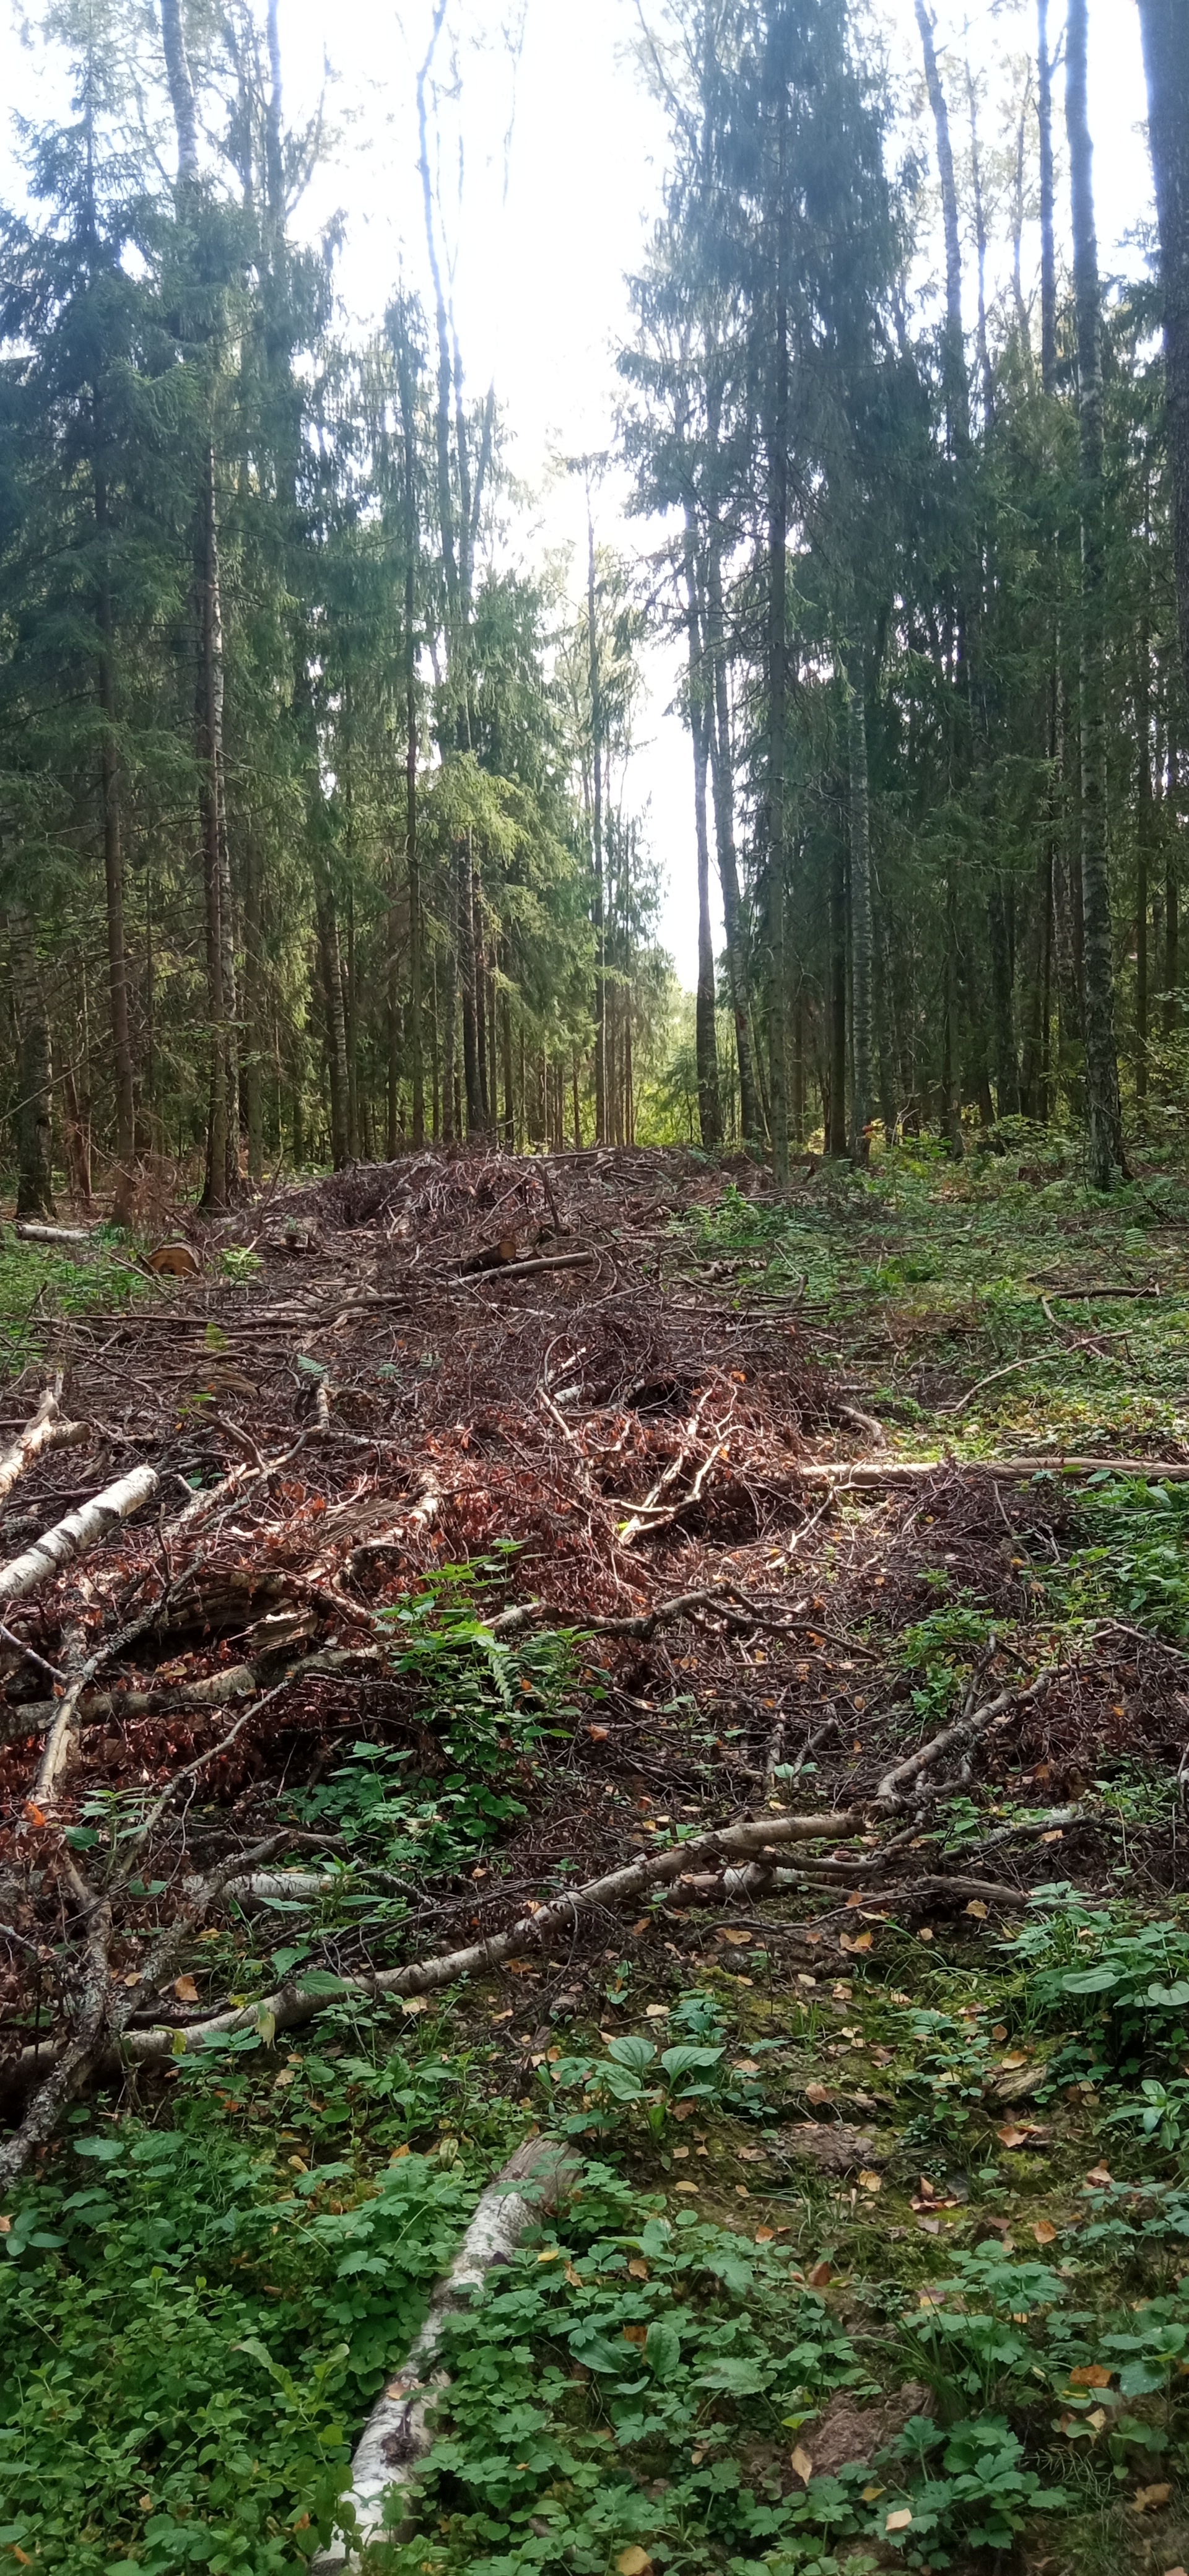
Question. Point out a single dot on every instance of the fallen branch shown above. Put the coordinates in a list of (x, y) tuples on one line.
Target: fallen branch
[(964, 1731), (863, 1473), (396, 2436), (44, 1430), (81, 1529), (525, 1269)]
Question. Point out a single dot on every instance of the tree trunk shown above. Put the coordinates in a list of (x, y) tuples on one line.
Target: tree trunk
[(836, 1107), (253, 1061), (1007, 1064), (861, 931), (705, 1034), (331, 964), (1143, 850), (113, 857), (210, 730), (596, 855), (778, 520), (723, 788), (35, 1072), (1165, 25), (1048, 253), (1104, 1124), (956, 385)]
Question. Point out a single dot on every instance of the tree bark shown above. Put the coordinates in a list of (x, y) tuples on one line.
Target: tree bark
[(113, 852), (861, 930), (778, 518), (1104, 1126), (596, 855), (956, 384), (1048, 253), (35, 1071), (836, 1105), (705, 1033), (1165, 26), (723, 787)]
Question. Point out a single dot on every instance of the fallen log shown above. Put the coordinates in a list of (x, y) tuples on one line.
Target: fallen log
[(869, 1473), (525, 1269), (81, 1529), (44, 1430), (396, 2437), (27, 1232)]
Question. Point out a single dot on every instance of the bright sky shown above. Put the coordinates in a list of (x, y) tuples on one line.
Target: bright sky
[(539, 286)]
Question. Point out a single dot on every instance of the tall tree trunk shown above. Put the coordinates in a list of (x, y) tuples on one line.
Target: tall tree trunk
[(253, 1060), (723, 786), (861, 930), (412, 853), (472, 1075), (35, 1071), (331, 964), (705, 1034), (1104, 1125), (210, 729), (836, 1106), (1007, 1064), (596, 855), (113, 854), (1165, 25), (1144, 817), (181, 91), (1048, 251), (778, 522), (956, 384)]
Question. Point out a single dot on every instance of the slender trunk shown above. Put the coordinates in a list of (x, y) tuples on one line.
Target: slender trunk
[(1007, 1069), (466, 977), (836, 1108), (1165, 25), (113, 856), (778, 517), (951, 1107), (509, 1086), (181, 91), (861, 930), (723, 788), (1048, 253), (596, 856), (253, 1063), (210, 728), (705, 1035), (412, 854), (1143, 849), (1172, 964), (351, 1022), (980, 243), (35, 1071), (956, 387), (1104, 1124), (330, 961)]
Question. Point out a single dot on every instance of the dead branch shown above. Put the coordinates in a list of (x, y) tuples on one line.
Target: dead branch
[(81, 1529), (44, 1430), (396, 2437), (965, 1731), (526, 1269), (872, 1473)]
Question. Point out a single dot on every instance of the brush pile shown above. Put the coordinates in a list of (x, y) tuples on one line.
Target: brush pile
[(226, 1501)]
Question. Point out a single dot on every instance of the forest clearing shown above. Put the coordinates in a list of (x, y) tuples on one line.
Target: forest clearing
[(594, 1288), (607, 1656)]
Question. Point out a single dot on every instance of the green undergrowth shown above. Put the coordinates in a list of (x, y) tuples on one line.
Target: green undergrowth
[(199, 2303), (42, 1284)]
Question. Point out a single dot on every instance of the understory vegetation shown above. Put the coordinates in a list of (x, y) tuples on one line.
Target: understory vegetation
[(876, 2245)]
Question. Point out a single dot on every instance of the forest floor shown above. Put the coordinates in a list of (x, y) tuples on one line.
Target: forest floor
[(874, 2254)]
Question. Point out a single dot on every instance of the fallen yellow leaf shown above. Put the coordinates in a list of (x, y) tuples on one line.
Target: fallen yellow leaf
[(870, 2182), (899, 2521), (801, 2464), (685, 2186), (1149, 2496), (183, 1987), (978, 1909), (633, 2561), (419, 2003), (862, 1941), (926, 1932), (638, 2268), (1044, 2231), (870, 2494)]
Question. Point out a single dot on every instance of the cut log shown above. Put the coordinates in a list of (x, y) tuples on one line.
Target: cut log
[(81, 1529), (30, 1233), (396, 2437)]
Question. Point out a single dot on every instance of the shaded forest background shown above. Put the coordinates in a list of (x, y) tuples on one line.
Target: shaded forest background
[(316, 822)]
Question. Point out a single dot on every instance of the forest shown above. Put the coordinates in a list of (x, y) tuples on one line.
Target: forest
[(316, 805), (594, 1578)]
